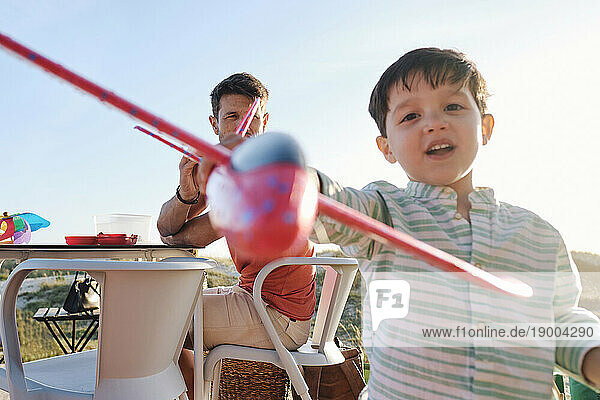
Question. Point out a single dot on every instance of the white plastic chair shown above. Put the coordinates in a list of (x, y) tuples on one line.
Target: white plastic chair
[(320, 350), (145, 312)]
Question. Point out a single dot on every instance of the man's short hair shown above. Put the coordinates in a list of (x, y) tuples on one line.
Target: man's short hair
[(436, 67), (241, 83)]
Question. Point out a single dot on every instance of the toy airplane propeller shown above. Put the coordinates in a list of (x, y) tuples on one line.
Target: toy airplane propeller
[(260, 194)]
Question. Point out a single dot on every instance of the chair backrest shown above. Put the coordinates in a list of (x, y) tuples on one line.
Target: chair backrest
[(144, 316), (339, 276), (156, 307), (337, 284)]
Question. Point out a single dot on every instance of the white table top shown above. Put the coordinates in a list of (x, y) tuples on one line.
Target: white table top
[(22, 252)]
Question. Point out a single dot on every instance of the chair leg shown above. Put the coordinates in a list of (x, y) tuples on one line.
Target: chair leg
[(183, 396), (216, 381), (298, 382), (207, 389)]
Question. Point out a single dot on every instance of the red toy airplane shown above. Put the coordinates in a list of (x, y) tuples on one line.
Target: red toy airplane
[(262, 191)]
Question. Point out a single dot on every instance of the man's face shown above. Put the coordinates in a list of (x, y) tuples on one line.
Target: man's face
[(434, 134), (232, 109)]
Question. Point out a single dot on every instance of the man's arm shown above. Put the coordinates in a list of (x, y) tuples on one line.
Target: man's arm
[(174, 214), (182, 224), (197, 232)]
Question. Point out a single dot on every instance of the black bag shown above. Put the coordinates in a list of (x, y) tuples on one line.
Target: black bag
[(84, 295), (342, 381)]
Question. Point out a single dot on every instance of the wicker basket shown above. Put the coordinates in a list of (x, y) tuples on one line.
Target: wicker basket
[(252, 380)]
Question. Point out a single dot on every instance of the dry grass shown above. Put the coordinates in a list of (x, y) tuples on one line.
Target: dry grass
[(36, 340), (590, 281)]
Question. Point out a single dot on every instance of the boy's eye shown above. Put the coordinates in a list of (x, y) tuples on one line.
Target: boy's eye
[(231, 116), (409, 117), (454, 107)]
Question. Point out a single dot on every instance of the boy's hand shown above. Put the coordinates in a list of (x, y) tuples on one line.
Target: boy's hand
[(591, 366), (206, 166), (188, 179)]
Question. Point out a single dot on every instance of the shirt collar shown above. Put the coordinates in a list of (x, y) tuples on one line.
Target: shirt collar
[(481, 195)]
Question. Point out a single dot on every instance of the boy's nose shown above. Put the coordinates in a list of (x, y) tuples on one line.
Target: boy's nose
[(435, 123)]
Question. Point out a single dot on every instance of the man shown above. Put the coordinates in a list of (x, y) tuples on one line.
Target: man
[(229, 313), (180, 220)]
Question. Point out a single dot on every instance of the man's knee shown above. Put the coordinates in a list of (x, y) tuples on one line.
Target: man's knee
[(186, 359)]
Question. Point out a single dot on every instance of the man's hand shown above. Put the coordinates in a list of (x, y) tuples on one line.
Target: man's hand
[(192, 180), (591, 366), (206, 166), (188, 179), (174, 213)]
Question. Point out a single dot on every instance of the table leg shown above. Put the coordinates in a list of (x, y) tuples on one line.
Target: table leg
[(70, 343), (73, 330), (56, 337), (87, 335)]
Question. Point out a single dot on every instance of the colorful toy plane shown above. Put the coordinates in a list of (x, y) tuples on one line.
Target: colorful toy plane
[(17, 228)]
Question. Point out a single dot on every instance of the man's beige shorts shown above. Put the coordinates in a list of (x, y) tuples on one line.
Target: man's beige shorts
[(230, 318)]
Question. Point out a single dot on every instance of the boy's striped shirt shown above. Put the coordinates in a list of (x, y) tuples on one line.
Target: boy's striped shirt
[(500, 238)]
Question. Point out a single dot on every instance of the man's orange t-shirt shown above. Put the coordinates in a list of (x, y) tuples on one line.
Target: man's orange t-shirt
[(290, 289)]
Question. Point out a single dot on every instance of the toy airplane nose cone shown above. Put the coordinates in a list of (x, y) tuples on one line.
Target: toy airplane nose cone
[(272, 148), (264, 202)]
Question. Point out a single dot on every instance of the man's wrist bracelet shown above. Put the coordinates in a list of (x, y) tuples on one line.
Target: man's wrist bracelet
[(188, 202)]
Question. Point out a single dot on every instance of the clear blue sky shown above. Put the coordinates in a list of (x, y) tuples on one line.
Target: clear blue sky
[(67, 157)]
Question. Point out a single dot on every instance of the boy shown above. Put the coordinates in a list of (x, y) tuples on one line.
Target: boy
[(430, 108)]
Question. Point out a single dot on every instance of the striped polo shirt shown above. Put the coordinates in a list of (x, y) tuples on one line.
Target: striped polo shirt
[(500, 238)]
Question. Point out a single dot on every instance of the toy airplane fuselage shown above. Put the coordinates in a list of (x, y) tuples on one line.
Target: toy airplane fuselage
[(263, 201)]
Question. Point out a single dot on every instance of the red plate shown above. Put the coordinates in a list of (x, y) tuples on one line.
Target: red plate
[(116, 239), (81, 240)]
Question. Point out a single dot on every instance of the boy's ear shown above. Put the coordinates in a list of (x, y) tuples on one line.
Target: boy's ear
[(487, 126), (214, 123), (265, 120), (384, 148)]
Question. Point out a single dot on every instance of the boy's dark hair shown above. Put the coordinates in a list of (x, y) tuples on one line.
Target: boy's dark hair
[(436, 67), (242, 83)]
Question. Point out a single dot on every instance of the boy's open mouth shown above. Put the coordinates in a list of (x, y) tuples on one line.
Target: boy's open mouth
[(439, 149)]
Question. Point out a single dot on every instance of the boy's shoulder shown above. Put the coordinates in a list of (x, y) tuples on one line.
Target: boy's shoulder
[(525, 216), (518, 211), (385, 187), (390, 194), (381, 185), (508, 212)]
